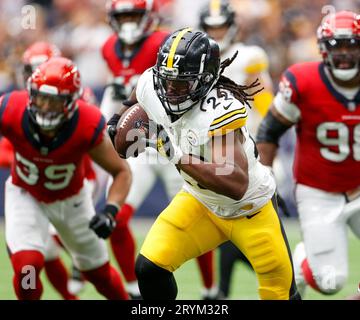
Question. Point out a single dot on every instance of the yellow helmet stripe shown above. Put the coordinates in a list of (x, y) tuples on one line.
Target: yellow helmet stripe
[(215, 6), (174, 46)]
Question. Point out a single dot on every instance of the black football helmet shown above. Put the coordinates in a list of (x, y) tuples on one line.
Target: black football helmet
[(187, 68), (215, 14)]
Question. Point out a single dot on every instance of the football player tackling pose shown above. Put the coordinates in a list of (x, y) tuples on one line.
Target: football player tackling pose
[(227, 192), (52, 131), (323, 100), (129, 52)]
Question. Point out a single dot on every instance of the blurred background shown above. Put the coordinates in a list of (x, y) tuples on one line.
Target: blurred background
[(285, 29)]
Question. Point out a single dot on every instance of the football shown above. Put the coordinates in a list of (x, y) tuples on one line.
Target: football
[(132, 129)]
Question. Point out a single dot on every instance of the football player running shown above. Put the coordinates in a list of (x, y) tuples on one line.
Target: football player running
[(323, 100), (227, 194), (52, 131), (129, 52), (218, 20), (33, 56)]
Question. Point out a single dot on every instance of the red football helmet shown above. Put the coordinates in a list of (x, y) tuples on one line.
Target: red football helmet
[(53, 88), (36, 54), (132, 19), (339, 42)]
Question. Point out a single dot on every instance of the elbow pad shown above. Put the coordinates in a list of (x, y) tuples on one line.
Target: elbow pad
[(270, 129)]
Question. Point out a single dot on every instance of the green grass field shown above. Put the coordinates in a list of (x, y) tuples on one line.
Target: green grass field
[(188, 277)]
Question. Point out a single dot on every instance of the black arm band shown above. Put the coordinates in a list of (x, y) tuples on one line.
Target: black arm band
[(112, 209), (270, 130)]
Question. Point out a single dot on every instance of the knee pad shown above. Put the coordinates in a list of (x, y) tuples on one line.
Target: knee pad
[(261, 253), (155, 283)]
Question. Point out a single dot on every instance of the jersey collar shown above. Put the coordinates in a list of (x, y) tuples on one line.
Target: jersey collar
[(63, 135), (349, 104)]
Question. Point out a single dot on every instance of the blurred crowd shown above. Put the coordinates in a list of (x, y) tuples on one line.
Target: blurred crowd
[(285, 29)]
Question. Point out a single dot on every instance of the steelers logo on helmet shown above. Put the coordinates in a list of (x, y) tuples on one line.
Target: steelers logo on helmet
[(186, 70), (339, 44)]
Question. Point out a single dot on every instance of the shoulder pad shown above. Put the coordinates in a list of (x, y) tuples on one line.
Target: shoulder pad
[(228, 113)]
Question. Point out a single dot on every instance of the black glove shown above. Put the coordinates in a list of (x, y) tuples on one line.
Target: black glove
[(104, 223), (111, 127), (282, 205), (119, 92)]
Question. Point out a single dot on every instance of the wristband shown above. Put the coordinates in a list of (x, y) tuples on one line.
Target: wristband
[(112, 209)]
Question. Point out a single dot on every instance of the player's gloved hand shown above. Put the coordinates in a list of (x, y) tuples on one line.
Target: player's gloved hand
[(166, 146), (111, 126), (118, 92), (282, 205), (104, 223)]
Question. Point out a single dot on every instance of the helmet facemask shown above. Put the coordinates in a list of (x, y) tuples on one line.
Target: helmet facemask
[(187, 68), (339, 43), (342, 56), (50, 111), (130, 26), (180, 93)]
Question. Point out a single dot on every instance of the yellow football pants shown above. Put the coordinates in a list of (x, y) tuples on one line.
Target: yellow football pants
[(187, 229)]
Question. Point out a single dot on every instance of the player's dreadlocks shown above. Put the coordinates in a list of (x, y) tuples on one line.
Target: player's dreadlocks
[(237, 90)]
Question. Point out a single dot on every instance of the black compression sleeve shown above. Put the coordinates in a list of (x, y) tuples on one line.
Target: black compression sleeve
[(270, 129)]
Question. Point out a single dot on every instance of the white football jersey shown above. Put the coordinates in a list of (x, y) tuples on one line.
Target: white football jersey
[(193, 131), (250, 59)]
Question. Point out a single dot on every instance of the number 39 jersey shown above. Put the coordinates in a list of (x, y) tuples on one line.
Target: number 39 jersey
[(193, 131), (327, 152), (54, 171)]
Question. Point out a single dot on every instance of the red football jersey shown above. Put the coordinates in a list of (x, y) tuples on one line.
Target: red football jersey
[(56, 170), (7, 150), (126, 71), (6, 153), (327, 154)]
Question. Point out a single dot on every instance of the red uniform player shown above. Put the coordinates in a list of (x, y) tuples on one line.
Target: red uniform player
[(37, 53), (52, 131), (322, 99)]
